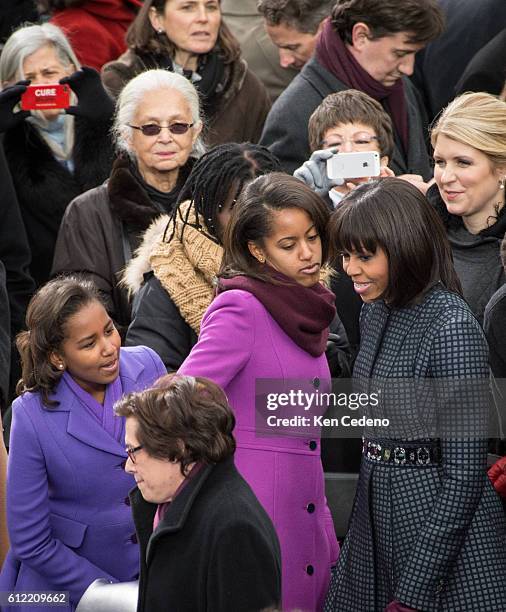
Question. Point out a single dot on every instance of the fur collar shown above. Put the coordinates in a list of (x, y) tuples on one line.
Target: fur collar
[(133, 276), (128, 198)]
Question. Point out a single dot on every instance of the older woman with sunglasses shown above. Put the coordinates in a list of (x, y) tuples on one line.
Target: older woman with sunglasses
[(157, 128)]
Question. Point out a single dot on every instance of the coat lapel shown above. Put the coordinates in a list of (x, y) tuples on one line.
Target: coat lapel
[(83, 426)]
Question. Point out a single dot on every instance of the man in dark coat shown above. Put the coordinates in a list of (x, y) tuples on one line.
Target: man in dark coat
[(438, 68), (206, 542), (370, 46)]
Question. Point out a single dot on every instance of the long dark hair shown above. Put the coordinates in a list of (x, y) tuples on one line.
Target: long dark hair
[(46, 316), (142, 38), (252, 221), (220, 174), (394, 215)]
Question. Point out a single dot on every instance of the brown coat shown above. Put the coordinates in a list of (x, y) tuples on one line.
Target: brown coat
[(242, 107)]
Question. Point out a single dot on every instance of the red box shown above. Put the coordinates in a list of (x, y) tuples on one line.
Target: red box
[(45, 97)]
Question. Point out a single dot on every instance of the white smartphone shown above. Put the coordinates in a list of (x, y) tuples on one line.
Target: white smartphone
[(353, 165)]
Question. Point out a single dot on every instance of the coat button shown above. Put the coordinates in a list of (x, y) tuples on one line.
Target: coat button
[(309, 570), (133, 538), (126, 501), (313, 445), (310, 508), (316, 382)]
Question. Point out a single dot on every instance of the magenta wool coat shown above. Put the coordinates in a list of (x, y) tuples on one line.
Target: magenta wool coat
[(68, 509), (240, 342)]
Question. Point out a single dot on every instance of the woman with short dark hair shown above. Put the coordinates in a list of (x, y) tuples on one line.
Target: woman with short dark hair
[(206, 542), (271, 320), (427, 528), (192, 39)]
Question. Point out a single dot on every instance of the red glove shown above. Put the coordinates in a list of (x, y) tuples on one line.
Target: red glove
[(497, 475), (396, 606)]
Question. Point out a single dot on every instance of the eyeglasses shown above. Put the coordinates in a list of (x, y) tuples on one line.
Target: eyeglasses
[(361, 140), (130, 451), (152, 129)]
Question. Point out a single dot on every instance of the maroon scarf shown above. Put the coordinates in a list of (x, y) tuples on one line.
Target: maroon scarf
[(303, 313), (333, 55)]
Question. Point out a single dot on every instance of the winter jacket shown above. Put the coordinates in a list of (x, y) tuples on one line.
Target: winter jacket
[(286, 131), (476, 257), (215, 550), (44, 187), (242, 103), (105, 22), (102, 228)]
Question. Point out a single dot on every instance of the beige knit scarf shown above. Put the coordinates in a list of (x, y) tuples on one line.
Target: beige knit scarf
[(187, 268)]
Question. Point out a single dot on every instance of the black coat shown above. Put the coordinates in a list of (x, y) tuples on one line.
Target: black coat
[(44, 187), (157, 323), (5, 343), (215, 550)]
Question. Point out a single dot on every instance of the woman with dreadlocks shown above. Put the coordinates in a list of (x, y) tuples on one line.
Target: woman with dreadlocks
[(181, 254)]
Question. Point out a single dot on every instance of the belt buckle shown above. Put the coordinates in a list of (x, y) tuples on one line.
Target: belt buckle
[(423, 456), (374, 451), (399, 455)]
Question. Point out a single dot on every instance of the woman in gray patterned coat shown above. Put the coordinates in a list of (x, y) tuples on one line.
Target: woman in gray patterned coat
[(427, 530)]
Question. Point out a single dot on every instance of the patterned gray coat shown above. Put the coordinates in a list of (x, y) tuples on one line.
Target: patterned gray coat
[(432, 536)]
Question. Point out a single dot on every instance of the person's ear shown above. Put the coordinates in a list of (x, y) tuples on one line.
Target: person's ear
[(197, 129), (384, 160), (57, 360), (156, 20), (360, 36), (320, 27), (257, 252)]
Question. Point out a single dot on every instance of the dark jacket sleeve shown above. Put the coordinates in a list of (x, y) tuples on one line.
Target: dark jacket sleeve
[(89, 244), (14, 250), (285, 131), (157, 323), (5, 341)]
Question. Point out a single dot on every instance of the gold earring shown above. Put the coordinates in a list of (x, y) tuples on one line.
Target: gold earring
[(261, 260)]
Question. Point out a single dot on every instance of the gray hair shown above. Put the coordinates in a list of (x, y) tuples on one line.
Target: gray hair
[(27, 40), (135, 91)]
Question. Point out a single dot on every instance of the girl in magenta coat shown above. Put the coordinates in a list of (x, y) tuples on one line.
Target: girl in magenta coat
[(68, 512), (270, 320)]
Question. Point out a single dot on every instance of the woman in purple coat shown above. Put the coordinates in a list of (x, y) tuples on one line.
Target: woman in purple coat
[(67, 493), (270, 320)]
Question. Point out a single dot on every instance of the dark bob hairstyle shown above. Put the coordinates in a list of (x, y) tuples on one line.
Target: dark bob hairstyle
[(182, 418), (252, 216), (393, 215)]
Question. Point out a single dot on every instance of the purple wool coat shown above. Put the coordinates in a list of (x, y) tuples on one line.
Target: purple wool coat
[(67, 492), (240, 342)]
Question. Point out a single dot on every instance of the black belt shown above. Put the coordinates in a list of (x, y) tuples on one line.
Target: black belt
[(394, 452)]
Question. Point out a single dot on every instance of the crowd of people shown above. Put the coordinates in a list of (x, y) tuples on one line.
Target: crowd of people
[(174, 247)]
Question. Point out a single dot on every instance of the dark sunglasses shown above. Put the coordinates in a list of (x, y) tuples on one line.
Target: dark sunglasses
[(152, 129), (130, 451)]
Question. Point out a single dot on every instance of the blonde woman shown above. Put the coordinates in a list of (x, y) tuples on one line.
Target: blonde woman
[(469, 141)]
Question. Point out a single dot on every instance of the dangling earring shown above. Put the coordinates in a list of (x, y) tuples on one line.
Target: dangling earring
[(60, 366), (502, 182)]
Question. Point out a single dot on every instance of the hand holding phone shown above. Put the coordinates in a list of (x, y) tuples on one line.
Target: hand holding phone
[(354, 165), (46, 97)]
